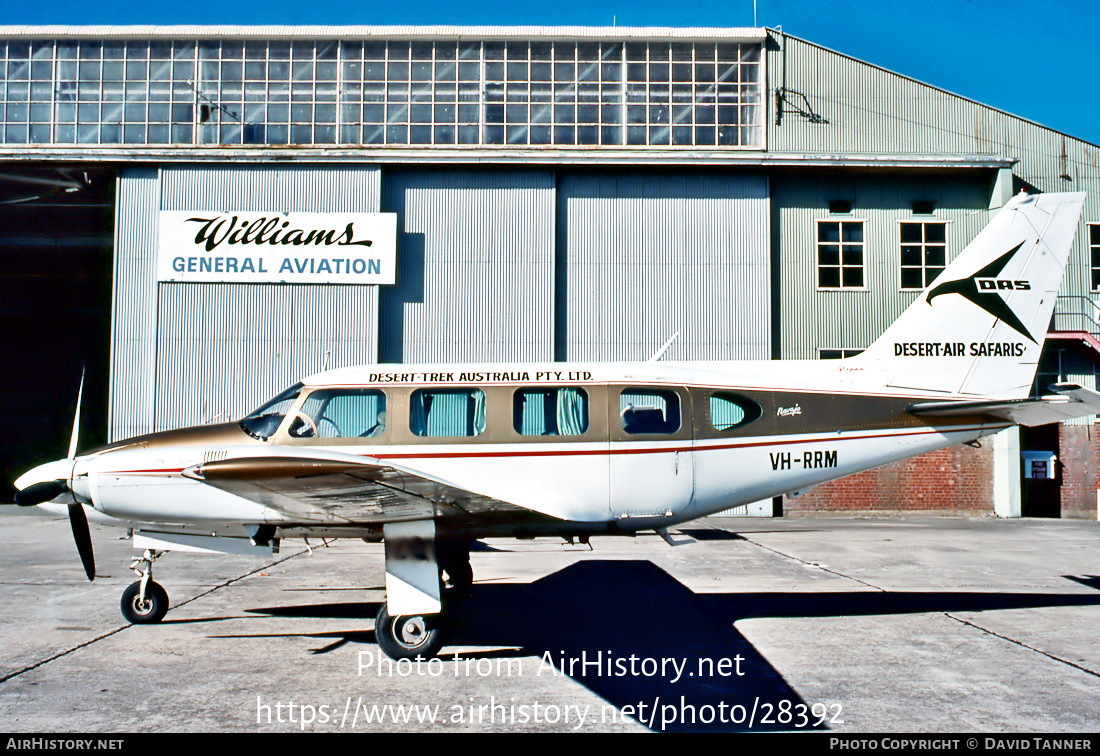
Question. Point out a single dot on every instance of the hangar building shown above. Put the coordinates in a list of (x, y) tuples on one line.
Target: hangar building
[(560, 193)]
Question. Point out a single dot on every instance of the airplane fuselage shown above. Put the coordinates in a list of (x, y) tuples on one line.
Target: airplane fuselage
[(578, 448)]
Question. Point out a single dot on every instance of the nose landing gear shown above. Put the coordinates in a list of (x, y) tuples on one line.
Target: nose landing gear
[(144, 601)]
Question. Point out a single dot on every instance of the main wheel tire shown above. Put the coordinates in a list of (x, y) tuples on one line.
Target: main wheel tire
[(151, 610), (418, 636)]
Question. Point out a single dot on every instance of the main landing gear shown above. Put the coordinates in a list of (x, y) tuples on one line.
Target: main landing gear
[(144, 601), (415, 636), (410, 625)]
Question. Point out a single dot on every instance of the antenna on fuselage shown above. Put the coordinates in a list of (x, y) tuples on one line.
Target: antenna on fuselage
[(661, 352)]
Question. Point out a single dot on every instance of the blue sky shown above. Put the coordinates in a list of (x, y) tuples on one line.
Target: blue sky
[(1035, 60)]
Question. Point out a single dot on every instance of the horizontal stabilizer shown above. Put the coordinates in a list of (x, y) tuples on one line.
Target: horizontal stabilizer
[(1068, 402)]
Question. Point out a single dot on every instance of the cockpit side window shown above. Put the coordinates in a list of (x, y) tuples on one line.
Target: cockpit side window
[(263, 422), (340, 413)]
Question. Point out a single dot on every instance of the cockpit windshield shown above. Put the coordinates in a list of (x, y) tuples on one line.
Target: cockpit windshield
[(263, 422)]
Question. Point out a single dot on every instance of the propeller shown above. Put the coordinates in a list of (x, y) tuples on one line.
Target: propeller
[(39, 493), (48, 490), (82, 534)]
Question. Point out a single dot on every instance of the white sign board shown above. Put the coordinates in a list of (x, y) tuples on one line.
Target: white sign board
[(1039, 464), (258, 247)]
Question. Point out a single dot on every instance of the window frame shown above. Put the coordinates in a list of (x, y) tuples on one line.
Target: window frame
[(517, 411), (470, 391), (383, 437), (845, 353), (840, 267), (614, 405), (744, 403), (1094, 255), (923, 223)]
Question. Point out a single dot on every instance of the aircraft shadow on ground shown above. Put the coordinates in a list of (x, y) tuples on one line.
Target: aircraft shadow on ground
[(611, 611)]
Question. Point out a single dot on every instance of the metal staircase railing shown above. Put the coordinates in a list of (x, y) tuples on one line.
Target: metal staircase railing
[(1076, 314)]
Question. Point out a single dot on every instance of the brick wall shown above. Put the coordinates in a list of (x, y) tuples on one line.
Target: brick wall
[(954, 480), (1080, 458)]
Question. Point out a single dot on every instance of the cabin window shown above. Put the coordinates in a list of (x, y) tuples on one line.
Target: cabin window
[(447, 412), (341, 413), (550, 412), (263, 422), (729, 411), (649, 411)]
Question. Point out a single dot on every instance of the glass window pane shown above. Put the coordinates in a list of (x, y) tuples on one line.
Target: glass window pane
[(828, 232), (447, 412), (644, 411), (828, 278), (729, 411), (550, 412), (911, 278), (341, 413)]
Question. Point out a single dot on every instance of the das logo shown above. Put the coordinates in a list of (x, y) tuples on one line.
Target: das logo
[(982, 287)]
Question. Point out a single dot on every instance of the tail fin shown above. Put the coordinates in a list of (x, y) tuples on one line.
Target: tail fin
[(978, 329)]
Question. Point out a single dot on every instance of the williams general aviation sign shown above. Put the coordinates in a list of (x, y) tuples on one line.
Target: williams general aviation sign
[(266, 247)]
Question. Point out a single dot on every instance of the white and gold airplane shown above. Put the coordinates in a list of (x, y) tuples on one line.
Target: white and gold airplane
[(430, 457)]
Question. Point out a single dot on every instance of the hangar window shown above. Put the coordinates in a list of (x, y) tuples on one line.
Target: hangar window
[(923, 253), (441, 92), (341, 413), (837, 354), (840, 254), (649, 411), (729, 411), (1094, 254), (550, 412), (447, 412)]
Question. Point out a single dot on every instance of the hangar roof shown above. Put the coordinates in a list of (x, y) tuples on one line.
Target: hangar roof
[(728, 34)]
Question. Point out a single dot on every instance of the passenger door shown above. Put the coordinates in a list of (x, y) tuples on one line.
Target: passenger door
[(652, 467)]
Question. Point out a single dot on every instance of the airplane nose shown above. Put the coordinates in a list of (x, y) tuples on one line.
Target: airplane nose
[(44, 483)]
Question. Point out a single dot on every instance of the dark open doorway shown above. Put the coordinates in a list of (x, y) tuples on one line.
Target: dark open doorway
[(55, 300), (1042, 497)]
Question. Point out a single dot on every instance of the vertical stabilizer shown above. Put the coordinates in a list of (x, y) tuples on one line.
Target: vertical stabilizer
[(978, 329)]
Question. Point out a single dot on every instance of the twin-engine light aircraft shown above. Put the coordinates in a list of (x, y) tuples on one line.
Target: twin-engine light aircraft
[(428, 458)]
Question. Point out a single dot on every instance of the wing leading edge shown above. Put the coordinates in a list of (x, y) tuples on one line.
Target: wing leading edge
[(1069, 401), (345, 490)]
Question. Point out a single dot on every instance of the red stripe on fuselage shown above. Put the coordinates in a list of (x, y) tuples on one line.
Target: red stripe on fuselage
[(609, 452)]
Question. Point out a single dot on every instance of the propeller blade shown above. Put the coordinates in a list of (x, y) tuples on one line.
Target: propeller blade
[(47, 490), (76, 418), (82, 534)]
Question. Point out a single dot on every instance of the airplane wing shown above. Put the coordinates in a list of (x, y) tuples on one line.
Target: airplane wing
[(341, 488), (1068, 402)]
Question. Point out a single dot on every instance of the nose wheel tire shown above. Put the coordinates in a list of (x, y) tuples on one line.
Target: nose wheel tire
[(418, 636), (152, 609)]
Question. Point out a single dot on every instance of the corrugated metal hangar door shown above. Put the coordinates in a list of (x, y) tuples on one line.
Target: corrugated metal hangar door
[(642, 257), (187, 353), (475, 268)]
